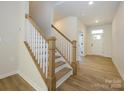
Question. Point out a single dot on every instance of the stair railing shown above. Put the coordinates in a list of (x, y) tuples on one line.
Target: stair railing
[(42, 50), (66, 48)]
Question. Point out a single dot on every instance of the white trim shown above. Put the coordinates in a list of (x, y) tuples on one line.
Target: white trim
[(64, 78), (118, 68), (7, 74), (60, 68), (122, 76), (120, 72), (59, 59), (33, 84)]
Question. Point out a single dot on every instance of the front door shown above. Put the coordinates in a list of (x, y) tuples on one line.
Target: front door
[(97, 42)]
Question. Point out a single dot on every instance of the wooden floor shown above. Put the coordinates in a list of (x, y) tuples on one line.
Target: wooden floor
[(94, 73), (14, 83)]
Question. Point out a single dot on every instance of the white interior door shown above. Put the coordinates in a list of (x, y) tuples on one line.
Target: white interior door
[(81, 44), (97, 42)]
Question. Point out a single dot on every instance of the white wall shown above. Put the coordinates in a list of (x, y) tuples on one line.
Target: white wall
[(82, 28), (26, 67), (68, 26), (107, 39), (14, 57), (10, 23), (42, 13), (28, 70), (117, 39)]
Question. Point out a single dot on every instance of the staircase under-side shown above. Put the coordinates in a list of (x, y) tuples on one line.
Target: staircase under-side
[(54, 57)]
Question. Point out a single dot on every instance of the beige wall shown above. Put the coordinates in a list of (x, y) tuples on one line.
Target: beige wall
[(107, 39), (10, 26), (117, 40), (70, 27), (82, 28), (42, 13), (26, 68), (14, 57)]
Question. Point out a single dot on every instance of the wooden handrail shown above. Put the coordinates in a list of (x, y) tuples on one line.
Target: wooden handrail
[(61, 34), (62, 54), (50, 80), (35, 61), (35, 25), (74, 62)]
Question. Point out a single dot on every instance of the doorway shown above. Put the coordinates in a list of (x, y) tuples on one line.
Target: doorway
[(97, 41), (81, 44)]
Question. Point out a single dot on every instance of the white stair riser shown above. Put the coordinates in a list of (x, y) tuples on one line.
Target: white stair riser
[(60, 81), (59, 59), (57, 53), (60, 68), (67, 75)]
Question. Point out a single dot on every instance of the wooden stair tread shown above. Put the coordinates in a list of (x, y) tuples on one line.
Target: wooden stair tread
[(57, 64), (62, 72), (55, 51), (56, 56)]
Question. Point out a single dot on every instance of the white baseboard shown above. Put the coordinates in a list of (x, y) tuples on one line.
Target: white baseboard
[(33, 84), (60, 68), (119, 70), (61, 80), (122, 77), (7, 74)]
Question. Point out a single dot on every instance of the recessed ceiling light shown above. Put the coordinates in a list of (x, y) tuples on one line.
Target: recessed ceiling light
[(96, 21), (91, 2)]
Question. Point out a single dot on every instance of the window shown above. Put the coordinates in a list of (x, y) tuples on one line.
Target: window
[(100, 31), (96, 37), (97, 34)]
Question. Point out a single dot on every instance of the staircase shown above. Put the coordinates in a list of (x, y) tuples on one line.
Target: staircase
[(54, 57), (62, 70)]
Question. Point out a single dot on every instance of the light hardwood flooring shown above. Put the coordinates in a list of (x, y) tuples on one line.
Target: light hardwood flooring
[(94, 73), (14, 83)]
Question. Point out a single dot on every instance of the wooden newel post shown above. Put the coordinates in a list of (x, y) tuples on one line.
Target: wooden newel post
[(74, 62), (51, 80)]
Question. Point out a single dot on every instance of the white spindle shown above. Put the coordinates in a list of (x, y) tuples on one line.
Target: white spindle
[(46, 59), (33, 48), (38, 46), (41, 56), (34, 42), (64, 46), (32, 33)]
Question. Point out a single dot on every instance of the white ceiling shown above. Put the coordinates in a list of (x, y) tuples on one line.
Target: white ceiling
[(103, 11)]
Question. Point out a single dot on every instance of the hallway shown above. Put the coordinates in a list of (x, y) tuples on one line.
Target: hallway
[(94, 73)]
